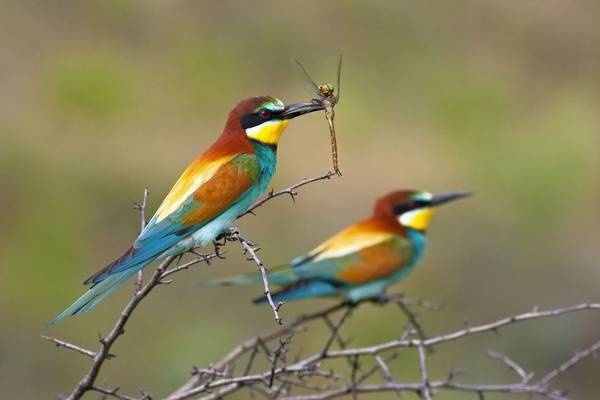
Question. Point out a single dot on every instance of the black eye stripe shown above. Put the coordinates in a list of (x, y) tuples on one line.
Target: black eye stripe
[(254, 119), (410, 205)]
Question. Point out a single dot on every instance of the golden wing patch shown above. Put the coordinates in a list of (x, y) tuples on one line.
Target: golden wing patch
[(349, 241), (198, 173)]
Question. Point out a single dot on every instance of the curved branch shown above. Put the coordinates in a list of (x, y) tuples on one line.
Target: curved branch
[(311, 365), (291, 191), (87, 382)]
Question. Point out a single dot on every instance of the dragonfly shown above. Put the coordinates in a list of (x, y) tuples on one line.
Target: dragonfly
[(329, 99)]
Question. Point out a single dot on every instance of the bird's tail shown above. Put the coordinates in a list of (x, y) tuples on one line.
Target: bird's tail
[(282, 275), (96, 294), (301, 289)]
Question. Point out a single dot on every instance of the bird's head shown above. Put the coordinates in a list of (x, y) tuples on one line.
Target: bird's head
[(413, 209), (264, 118)]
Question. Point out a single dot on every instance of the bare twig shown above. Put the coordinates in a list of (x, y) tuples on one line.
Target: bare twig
[(425, 390), (141, 207), (513, 365), (291, 191), (570, 363), (87, 382), (354, 367), (414, 322), (335, 330), (251, 250), (312, 365), (472, 330), (70, 346), (201, 258), (278, 353), (282, 377), (251, 344), (385, 369), (114, 393)]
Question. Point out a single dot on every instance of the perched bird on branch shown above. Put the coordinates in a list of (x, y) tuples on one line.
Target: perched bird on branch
[(216, 187), (362, 260)]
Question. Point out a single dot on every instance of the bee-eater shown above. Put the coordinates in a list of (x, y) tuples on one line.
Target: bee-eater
[(362, 260), (215, 188)]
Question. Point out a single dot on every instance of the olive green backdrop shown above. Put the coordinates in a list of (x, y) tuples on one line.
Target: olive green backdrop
[(99, 99)]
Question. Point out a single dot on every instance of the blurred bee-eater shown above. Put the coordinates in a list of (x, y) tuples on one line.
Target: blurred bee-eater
[(362, 260), (215, 188)]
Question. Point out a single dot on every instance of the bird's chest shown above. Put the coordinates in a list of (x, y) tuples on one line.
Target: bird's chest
[(267, 160), (418, 241), (266, 156)]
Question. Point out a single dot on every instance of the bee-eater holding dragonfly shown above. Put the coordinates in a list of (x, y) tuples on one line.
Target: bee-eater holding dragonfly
[(362, 260), (215, 188)]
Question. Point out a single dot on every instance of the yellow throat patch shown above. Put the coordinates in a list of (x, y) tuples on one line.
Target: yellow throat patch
[(268, 132), (417, 219)]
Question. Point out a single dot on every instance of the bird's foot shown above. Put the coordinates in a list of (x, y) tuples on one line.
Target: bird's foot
[(381, 299), (217, 246), (205, 257), (232, 231)]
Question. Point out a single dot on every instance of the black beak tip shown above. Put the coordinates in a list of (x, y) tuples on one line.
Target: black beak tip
[(448, 197), (298, 109)]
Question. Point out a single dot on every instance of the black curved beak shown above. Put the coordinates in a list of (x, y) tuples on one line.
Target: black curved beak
[(298, 109), (448, 197)]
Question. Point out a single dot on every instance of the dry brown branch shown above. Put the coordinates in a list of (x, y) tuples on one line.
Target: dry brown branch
[(513, 365), (570, 363), (425, 389), (253, 344), (312, 366), (310, 373), (88, 381), (414, 322), (141, 207), (291, 191), (490, 327), (70, 346), (251, 250)]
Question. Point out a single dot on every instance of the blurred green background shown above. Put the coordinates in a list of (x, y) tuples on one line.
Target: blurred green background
[(99, 99)]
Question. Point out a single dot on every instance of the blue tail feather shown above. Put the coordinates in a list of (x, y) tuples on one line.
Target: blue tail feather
[(96, 294), (302, 290)]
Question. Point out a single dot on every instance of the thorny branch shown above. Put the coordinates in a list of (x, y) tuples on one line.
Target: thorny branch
[(141, 207), (513, 365), (302, 374), (297, 374), (70, 346), (304, 377), (425, 389), (88, 381), (250, 250), (291, 191)]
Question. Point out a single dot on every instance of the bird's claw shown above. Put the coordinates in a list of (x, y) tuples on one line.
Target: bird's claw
[(217, 246), (203, 256), (381, 299)]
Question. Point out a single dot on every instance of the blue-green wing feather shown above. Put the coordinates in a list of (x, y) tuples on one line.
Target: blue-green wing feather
[(160, 236)]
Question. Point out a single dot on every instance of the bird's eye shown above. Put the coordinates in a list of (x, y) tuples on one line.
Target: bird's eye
[(264, 113)]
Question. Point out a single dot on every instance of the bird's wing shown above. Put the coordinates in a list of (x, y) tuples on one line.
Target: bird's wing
[(375, 262), (345, 250), (320, 262), (202, 193)]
